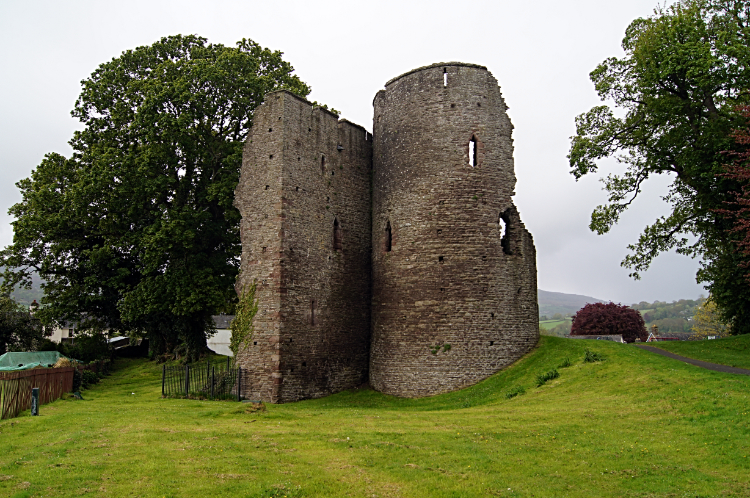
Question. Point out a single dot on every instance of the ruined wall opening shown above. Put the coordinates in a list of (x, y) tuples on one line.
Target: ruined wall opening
[(388, 237), (505, 229), (445, 76), (323, 165), (312, 312), (337, 244)]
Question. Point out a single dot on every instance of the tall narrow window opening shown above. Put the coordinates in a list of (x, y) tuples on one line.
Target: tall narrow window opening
[(388, 237), (312, 312), (323, 164), (473, 151), (337, 245), (445, 76)]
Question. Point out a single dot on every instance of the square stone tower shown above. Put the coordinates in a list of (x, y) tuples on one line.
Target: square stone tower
[(304, 195)]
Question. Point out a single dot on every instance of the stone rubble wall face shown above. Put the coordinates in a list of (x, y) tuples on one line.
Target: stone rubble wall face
[(319, 341), (450, 307)]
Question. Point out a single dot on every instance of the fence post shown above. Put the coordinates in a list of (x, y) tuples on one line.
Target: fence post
[(239, 383), (213, 380), (163, 376), (34, 401), (227, 363), (187, 379)]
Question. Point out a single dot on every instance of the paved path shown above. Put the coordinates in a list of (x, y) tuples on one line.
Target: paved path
[(698, 363)]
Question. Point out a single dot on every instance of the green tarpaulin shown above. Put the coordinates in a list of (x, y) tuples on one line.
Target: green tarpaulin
[(25, 361)]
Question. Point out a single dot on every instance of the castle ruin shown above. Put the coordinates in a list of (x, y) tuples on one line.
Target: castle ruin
[(396, 257)]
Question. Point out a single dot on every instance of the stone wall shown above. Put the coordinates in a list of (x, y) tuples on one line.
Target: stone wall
[(454, 292), (304, 196)]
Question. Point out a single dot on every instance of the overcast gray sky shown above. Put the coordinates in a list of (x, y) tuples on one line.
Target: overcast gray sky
[(540, 52)]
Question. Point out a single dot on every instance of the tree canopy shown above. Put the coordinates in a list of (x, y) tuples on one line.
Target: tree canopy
[(673, 101), (707, 321), (609, 319), (137, 231), (738, 207)]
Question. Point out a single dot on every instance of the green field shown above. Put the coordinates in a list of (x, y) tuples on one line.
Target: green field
[(634, 425), (548, 324), (732, 351)]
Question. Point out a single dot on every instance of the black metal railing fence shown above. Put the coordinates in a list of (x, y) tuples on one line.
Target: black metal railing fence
[(202, 380)]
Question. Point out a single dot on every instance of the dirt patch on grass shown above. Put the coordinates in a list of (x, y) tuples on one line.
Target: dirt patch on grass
[(225, 477)]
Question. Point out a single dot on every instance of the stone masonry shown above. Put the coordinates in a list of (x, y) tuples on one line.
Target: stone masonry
[(304, 195), (398, 257)]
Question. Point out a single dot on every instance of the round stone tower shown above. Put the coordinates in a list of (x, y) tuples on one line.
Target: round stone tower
[(454, 269)]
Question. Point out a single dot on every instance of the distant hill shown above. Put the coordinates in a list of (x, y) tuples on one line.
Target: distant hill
[(559, 302), (671, 318), (26, 296)]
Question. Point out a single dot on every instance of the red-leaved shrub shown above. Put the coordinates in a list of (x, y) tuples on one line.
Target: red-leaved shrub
[(609, 319)]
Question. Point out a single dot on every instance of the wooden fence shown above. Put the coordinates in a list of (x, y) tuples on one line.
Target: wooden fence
[(15, 388)]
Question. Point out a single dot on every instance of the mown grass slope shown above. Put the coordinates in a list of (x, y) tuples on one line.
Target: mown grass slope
[(636, 424), (733, 351)]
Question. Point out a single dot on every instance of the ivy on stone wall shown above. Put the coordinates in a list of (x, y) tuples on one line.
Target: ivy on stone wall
[(242, 325)]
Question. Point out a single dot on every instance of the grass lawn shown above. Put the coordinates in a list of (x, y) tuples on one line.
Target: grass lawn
[(634, 425), (732, 351), (548, 324)]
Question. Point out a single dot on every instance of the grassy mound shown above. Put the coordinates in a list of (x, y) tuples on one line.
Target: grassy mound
[(626, 423)]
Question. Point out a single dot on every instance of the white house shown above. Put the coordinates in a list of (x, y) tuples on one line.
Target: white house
[(219, 342), (64, 333)]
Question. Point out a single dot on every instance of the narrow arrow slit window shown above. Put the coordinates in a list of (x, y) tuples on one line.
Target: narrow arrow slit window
[(473, 151)]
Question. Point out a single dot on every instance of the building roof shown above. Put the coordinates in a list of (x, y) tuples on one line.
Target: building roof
[(222, 321)]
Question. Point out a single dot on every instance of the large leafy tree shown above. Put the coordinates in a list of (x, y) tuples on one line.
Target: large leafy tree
[(673, 105), (137, 231), (738, 207), (728, 273)]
